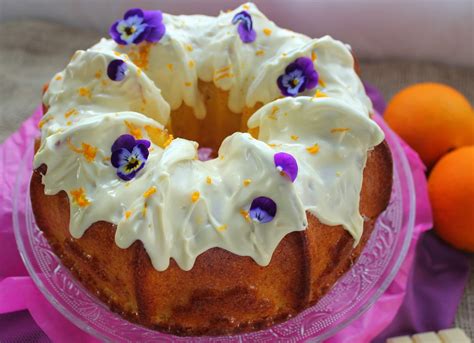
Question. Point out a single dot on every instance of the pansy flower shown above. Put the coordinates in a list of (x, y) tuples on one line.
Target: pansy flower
[(204, 154), (246, 32), (262, 210), (286, 164), (129, 156), (138, 25), (116, 70), (299, 76)]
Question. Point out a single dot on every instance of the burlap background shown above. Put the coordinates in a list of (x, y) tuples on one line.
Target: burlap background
[(31, 51)]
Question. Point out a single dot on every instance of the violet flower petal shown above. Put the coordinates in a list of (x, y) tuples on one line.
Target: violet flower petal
[(119, 157), (134, 12), (126, 176), (155, 33), (116, 70), (116, 36), (245, 18), (141, 152), (144, 142), (142, 36), (153, 18), (125, 141), (263, 209), (286, 164), (245, 35), (204, 154), (245, 29)]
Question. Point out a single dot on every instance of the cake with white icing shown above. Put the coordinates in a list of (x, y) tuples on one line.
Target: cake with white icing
[(209, 175)]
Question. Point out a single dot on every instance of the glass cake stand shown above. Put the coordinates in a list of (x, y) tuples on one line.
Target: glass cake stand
[(351, 296)]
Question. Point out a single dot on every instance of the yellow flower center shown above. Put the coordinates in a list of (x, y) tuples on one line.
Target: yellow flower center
[(130, 30)]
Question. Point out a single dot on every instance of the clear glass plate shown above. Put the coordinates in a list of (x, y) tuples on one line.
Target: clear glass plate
[(351, 296)]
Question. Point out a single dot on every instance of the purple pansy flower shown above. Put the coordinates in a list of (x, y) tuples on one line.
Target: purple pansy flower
[(263, 210), (299, 76), (204, 154), (286, 164), (246, 32), (138, 25), (116, 70), (129, 156)]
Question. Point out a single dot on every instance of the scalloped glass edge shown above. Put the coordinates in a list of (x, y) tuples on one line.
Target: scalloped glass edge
[(331, 325)]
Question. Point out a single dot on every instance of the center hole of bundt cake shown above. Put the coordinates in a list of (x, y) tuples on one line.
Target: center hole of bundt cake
[(218, 123)]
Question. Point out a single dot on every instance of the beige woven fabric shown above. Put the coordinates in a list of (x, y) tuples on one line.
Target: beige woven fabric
[(31, 51)]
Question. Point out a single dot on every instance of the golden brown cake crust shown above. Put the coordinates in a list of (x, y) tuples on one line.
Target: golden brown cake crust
[(223, 293)]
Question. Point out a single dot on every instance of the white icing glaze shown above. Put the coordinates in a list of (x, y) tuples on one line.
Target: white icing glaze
[(157, 207)]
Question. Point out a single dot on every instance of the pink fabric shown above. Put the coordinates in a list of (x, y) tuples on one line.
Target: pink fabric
[(17, 291), (376, 319)]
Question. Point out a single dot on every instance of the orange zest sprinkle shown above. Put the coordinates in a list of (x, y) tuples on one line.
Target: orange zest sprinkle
[(191, 64), (195, 196), (247, 182), (259, 52), (294, 137), (267, 31), (313, 150), (188, 47), (148, 193), (98, 74), (246, 7), (188, 84), (70, 112), (128, 214), (223, 69), (221, 228), (139, 71), (340, 129), (170, 66), (141, 57), (313, 56), (86, 92), (245, 214), (208, 180), (44, 121), (223, 76), (116, 53), (104, 82), (321, 82), (319, 94), (158, 136), (69, 123), (134, 130), (79, 197), (87, 150), (58, 77)]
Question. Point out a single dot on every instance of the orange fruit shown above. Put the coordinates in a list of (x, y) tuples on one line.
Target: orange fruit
[(451, 190), (432, 118)]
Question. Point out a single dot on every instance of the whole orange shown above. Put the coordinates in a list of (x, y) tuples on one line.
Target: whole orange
[(451, 190), (432, 118)]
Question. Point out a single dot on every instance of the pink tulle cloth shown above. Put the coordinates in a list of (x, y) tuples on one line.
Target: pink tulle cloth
[(18, 292)]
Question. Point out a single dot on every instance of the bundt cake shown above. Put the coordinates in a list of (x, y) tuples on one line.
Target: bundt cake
[(209, 175)]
